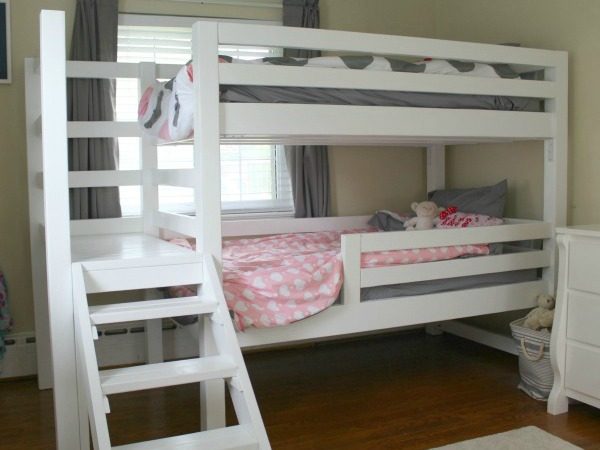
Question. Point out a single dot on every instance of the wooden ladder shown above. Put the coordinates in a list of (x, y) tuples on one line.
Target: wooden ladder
[(227, 364)]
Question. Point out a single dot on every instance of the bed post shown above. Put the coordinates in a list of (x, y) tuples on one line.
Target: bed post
[(150, 205), (207, 166), (555, 161), (351, 266), (555, 212), (148, 158), (36, 222), (56, 220), (436, 167), (436, 179)]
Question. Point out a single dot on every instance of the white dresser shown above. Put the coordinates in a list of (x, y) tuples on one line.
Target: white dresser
[(575, 348)]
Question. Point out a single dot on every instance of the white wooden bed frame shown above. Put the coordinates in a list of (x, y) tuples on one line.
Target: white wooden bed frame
[(138, 238)]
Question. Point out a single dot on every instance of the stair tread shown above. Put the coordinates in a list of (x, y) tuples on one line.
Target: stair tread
[(237, 437), (151, 309), (151, 376)]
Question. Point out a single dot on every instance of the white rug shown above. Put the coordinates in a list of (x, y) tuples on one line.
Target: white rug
[(528, 438)]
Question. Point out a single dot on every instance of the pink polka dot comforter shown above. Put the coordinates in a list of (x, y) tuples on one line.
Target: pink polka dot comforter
[(276, 280)]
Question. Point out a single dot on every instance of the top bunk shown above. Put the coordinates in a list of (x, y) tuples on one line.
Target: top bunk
[(275, 122)]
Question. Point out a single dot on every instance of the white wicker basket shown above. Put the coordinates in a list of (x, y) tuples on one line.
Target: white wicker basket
[(534, 360)]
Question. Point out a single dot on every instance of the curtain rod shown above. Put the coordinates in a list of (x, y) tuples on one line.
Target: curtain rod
[(231, 3)]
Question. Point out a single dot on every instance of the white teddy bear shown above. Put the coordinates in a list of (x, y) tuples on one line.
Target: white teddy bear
[(543, 315), (427, 216)]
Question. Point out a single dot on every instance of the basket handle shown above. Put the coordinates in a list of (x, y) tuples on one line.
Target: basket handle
[(535, 357)]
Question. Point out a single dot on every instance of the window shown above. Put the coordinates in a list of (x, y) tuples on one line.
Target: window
[(253, 178)]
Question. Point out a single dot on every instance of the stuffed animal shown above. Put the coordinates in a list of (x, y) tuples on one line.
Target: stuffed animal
[(427, 216), (543, 315)]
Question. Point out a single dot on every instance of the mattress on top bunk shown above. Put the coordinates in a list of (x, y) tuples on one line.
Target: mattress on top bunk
[(166, 109), (276, 280), (364, 97)]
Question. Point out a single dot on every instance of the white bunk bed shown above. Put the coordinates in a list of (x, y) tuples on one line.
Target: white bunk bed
[(137, 245)]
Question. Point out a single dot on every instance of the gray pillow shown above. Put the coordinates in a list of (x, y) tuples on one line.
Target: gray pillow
[(488, 200), (386, 221)]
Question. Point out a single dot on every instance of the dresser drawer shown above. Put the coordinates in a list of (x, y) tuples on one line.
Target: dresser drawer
[(583, 317), (584, 266), (583, 370)]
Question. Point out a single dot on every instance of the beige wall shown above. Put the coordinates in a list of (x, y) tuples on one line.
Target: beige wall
[(570, 25), (366, 179), (14, 222)]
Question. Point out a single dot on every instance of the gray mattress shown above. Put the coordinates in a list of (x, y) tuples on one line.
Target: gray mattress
[(448, 284), (272, 94)]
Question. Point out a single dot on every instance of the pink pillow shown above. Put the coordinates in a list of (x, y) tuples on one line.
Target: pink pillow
[(465, 220)]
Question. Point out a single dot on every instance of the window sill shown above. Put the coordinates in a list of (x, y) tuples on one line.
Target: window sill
[(231, 216), (257, 215)]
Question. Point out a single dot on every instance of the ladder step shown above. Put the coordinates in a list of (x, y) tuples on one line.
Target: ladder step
[(151, 376), (151, 309), (118, 276), (238, 437)]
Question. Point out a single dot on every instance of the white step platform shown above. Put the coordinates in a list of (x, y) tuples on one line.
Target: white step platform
[(94, 250), (151, 309), (151, 376), (119, 262), (238, 437)]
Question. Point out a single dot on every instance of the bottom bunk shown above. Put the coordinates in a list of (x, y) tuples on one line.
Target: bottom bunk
[(334, 282), (279, 279)]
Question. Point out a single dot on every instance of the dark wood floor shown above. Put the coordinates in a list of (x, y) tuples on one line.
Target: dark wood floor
[(404, 391)]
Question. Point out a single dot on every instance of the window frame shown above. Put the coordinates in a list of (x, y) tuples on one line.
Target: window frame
[(159, 20)]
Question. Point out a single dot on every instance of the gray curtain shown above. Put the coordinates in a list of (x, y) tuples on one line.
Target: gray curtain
[(94, 39), (308, 165), (303, 14)]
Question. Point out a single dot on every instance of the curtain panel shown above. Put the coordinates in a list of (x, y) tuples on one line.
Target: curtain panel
[(309, 164), (94, 39)]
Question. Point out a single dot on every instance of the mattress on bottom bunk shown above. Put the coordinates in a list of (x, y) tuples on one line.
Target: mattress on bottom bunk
[(276, 280), (448, 284)]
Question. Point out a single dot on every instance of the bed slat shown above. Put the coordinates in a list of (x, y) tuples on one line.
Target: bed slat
[(257, 227), (267, 75), (425, 124), (175, 222), (400, 240), (102, 129), (87, 227), (111, 70), (480, 265), (346, 41), (175, 177), (101, 178)]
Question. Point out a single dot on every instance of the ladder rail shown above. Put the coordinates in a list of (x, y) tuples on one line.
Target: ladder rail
[(240, 387), (87, 363)]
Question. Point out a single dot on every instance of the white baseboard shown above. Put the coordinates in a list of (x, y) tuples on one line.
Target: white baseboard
[(20, 357), (476, 334), (121, 345), (126, 344)]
